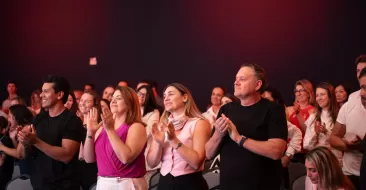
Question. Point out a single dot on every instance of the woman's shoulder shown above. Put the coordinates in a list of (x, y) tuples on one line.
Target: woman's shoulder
[(312, 110), (289, 110)]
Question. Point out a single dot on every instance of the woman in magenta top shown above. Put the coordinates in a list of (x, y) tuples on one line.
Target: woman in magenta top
[(117, 144), (179, 142)]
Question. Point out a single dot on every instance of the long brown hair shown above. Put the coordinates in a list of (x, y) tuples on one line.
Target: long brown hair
[(38, 93), (190, 108), (132, 103), (96, 101), (329, 171), (333, 105)]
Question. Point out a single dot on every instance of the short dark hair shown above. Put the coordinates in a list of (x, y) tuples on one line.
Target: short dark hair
[(11, 82), (361, 58), (232, 97), (90, 84), (260, 73), (59, 84), (23, 116), (221, 87), (362, 73), (276, 95)]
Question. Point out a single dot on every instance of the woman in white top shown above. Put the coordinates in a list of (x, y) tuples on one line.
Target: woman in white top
[(216, 96), (150, 115), (324, 172), (320, 124)]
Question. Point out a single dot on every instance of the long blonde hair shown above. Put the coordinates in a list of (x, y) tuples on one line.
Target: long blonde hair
[(132, 103), (329, 171), (190, 108)]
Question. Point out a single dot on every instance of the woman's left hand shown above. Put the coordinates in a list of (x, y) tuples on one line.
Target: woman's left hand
[(170, 132)]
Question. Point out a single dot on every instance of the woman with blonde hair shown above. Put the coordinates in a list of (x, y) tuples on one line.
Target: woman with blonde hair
[(119, 156), (324, 171), (301, 110), (179, 141)]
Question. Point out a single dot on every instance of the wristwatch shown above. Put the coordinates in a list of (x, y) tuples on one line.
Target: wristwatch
[(179, 145), (242, 141), (289, 155)]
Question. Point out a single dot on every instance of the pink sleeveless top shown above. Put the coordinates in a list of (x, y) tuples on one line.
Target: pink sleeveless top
[(172, 162), (108, 163)]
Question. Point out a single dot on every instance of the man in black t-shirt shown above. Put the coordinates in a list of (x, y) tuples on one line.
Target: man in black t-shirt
[(250, 136), (54, 139)]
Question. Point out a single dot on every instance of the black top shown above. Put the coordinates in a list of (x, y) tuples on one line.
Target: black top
[(241, 168), (6, 170), (49, 173)]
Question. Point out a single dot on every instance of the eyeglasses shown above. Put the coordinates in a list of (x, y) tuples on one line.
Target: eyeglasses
[(300, 91), (140, 94)]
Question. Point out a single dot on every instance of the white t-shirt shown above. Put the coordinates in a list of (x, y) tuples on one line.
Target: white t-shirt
[(354, 96), (353, 115), (312, 139), (210, 115)]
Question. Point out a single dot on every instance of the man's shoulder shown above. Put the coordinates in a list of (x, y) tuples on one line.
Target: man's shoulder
[(265, 104), (354, 95)]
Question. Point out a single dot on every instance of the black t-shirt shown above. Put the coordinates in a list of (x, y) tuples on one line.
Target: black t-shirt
[(49, 173), (6, 170), (241, 168)]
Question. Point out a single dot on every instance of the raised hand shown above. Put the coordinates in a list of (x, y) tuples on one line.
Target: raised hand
[(233, 132), (158, 135), (13, 132), (28, 135), (91, 118), (107, 119), (221, 126), (320, 128), (355, 144), (170, 132)]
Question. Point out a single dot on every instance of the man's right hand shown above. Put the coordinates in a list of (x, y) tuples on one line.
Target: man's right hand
[(355, 144)]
